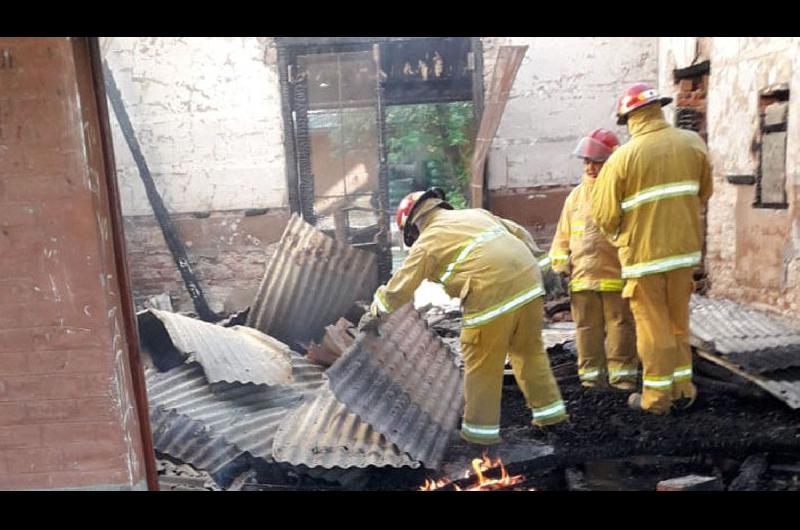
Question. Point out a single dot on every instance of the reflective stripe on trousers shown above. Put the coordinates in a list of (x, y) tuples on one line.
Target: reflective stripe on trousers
[(623, 372), (476, 319), (481, 431), (682, 373), (550, 411)]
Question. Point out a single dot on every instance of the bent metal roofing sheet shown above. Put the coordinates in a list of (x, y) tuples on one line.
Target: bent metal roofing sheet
[(311, 281), (323, 433), (405, 383), (238, 353)]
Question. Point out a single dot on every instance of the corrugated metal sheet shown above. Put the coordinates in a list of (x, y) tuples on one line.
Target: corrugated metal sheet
[(754, 340), (188, 440), (310, 282), (405, 383), (245, 415), (323, 433), (762, 348), (230, 354)]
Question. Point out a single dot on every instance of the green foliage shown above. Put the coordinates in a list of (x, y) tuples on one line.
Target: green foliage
[(438, 134)]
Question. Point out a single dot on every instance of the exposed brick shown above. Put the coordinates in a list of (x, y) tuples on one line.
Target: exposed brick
[(20, 436)]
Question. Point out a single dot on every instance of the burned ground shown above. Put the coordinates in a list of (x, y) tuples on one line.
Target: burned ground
[(713, 437)]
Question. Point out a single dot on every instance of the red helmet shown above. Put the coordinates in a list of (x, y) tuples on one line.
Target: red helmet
[(597, 145), (636, 97), (404, 208), (408, 206)]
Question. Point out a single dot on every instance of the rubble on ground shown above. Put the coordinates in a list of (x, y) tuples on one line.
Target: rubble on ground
[(234, 408)]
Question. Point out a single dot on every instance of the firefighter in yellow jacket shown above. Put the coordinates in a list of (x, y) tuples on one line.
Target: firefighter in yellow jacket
[(648, 199), (492, 265), (605, 336)]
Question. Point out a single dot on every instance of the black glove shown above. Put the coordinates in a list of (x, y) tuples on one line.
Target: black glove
[(369, 323), (554, 284)]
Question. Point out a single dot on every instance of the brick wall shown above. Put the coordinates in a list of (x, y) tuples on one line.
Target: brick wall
[(229, 252), (753, 254), (68, 418)]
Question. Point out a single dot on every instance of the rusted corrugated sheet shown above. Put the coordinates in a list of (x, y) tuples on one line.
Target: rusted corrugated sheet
[(323, 433), (238, 353), (405, 383), (245, 415), (754, 340), (310, 282), (752, 344)]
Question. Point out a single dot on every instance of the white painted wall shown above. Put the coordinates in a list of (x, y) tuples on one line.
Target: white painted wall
[(566, 87), (207, 114)]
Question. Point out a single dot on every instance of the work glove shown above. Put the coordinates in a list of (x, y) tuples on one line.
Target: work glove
[(369, 322)]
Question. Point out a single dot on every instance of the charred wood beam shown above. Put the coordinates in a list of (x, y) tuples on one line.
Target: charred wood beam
[(176, 246)]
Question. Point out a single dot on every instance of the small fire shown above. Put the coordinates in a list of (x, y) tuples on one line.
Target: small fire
[(480, 467)]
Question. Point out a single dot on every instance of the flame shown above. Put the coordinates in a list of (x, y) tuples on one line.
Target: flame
[(480, 466)]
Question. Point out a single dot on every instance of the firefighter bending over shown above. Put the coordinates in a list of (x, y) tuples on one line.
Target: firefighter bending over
[(491, 265)]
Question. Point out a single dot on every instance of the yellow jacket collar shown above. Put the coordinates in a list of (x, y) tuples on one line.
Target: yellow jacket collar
[(588, 181), (428, 214), (645, 120)]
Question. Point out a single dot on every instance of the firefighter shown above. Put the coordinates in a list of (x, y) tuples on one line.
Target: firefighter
[(582, 251), (491, 264), (648, 199)]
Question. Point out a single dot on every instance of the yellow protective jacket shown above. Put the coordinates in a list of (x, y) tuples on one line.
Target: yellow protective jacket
[(488, 262), (580, 249), (648, 196)]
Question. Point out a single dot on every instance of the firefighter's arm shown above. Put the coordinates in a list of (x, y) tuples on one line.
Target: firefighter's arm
[(559, 250), (606, 209), (542, 259), (400, 288)]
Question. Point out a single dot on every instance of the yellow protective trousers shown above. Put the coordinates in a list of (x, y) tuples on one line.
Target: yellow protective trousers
[(517, 334), (605, 338), (660, 307)]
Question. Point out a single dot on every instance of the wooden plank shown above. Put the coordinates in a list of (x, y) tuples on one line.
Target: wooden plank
[(788, 393), (509, 59)]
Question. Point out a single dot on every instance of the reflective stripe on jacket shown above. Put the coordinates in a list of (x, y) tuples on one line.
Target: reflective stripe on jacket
[(490, 263), (581, 249), (649, 194)]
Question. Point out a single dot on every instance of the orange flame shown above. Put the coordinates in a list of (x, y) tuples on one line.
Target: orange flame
[(480, 467)]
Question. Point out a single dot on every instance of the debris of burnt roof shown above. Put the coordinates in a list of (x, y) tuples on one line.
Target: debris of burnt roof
[(310, 282), (405, 382), (237, 354), (762, 348)]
